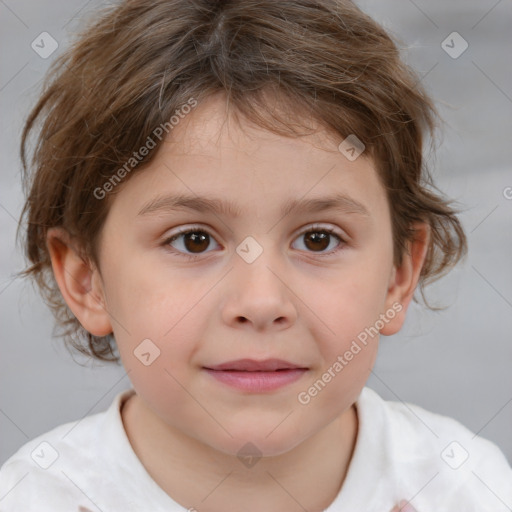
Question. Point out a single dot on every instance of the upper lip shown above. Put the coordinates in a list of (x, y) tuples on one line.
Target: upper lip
[(251, 365)]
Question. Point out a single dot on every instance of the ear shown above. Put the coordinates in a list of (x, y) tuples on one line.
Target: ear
[(79, 282), (403, 280)]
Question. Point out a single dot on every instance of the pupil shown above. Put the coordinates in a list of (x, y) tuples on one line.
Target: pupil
[(317, 237), (197, 241)]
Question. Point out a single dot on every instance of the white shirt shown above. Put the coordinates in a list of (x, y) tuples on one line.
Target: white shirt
[(402, 452)]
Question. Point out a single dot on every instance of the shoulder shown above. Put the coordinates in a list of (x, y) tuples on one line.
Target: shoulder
[(438, 453), (46, 472)]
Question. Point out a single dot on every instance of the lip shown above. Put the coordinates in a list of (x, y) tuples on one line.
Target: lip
[(256, 376), (252, 365)]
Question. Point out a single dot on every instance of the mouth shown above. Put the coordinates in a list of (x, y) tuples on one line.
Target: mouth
[(251, 365), (256, 376)]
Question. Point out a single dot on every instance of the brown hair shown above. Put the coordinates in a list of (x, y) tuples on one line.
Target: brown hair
[(131, 69)]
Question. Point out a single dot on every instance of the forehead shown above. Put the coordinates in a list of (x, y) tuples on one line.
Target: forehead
[(213, 161), (215, 122)]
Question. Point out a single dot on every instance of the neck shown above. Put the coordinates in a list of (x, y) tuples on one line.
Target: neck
[(199, 477)]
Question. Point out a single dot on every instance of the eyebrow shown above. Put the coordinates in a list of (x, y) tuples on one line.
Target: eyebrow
[(339, 202)]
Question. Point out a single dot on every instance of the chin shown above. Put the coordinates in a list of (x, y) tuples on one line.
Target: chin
[(258, 442)]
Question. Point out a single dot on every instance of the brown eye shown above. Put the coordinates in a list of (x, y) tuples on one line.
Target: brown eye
[(317, 241), (190, 242), (320, 239), (196, 241)]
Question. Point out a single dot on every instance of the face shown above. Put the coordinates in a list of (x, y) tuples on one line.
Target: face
[(254, 280)]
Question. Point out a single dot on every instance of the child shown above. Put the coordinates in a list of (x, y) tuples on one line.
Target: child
[(257, 129)]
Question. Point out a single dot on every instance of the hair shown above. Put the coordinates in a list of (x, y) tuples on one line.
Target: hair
[(141, 60)]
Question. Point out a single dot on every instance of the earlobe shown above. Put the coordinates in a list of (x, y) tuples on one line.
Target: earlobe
[(403, 280), (79, 282)]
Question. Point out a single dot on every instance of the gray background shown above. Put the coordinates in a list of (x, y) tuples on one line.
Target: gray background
[(455, 363)]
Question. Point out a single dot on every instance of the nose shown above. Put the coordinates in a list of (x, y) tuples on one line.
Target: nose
[(257, 296)]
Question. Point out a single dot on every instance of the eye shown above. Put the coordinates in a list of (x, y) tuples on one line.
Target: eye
[(318, 238), (195, 240)]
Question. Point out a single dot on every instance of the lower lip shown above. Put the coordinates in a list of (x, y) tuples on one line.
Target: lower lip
[(257, 381)]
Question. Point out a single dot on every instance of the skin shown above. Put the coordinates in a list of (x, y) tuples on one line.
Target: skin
[(296, 301)]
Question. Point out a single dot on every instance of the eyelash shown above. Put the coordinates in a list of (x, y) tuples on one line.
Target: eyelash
[(196, 229)]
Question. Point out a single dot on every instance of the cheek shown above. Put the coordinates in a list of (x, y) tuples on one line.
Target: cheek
[(348, 345), (158, 356), (156, 320), (351, 304), (348, 334), (149, 297)]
